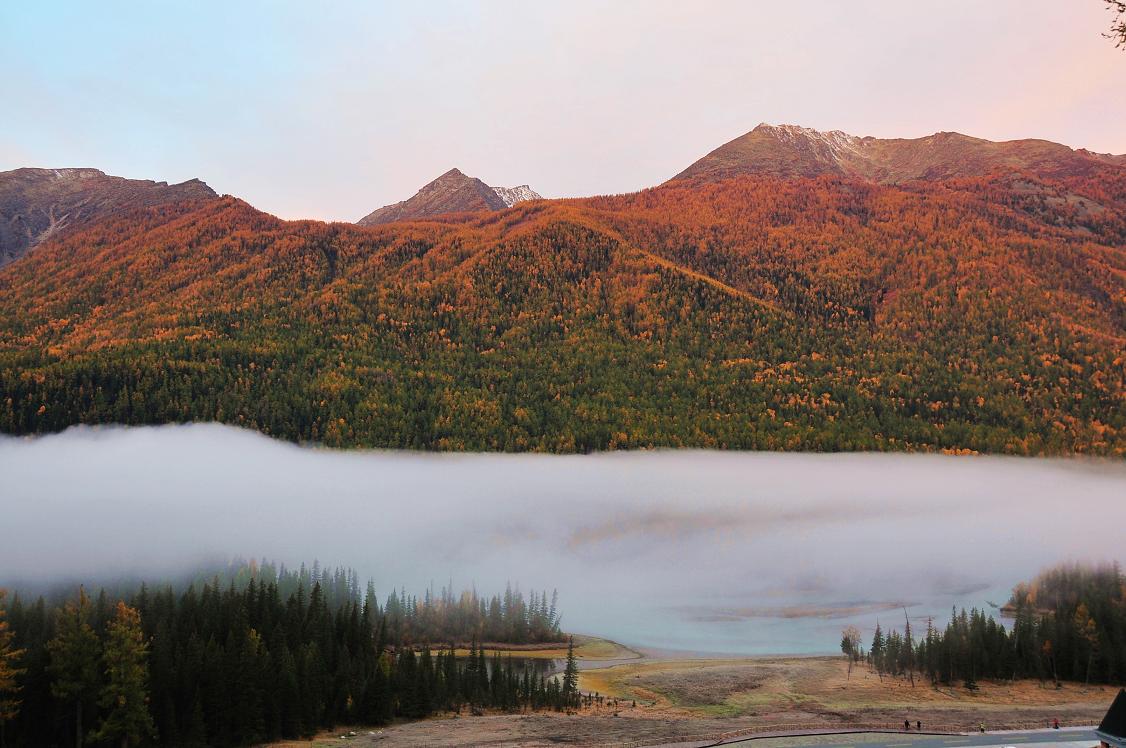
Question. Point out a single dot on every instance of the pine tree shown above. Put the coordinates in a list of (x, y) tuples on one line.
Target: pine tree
[(571, 676), (376, 707), (125, 696), (74, 659), (9, 672), (907, 654), (289, 694), (246, 655), (876, 651)]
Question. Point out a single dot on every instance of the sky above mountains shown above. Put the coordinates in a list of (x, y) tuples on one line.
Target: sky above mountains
[(329, 112)]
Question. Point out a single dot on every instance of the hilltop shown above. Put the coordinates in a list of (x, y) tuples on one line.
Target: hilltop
[(453, 192), (40, 204)]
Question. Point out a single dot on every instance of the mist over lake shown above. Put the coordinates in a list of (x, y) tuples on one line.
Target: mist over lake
[(701, 551)]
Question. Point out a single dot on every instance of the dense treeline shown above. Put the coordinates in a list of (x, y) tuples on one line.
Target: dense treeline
[(261, 655), (818, 314), (1069, 624)]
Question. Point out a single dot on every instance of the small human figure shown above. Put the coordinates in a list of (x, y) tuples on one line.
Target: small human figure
[(918, 725), (906, 725), (1056, 723), (982, 728)]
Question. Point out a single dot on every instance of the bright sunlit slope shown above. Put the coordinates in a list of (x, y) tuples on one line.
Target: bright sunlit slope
[(764, 311)]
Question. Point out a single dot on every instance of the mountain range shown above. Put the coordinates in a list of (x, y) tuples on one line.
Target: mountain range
[(38, 204), (790, 290)]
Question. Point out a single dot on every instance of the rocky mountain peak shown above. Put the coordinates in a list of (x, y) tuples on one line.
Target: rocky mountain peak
[(39, 204), (452, 192)]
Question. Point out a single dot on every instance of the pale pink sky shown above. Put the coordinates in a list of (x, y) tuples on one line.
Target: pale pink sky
[(329, 113)]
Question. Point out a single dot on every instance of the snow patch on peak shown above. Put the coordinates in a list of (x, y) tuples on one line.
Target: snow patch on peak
[(835, 144), (513, 195), (833, 138), (76, 173)]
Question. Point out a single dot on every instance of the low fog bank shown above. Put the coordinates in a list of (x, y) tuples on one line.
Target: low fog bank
[(741, 552)]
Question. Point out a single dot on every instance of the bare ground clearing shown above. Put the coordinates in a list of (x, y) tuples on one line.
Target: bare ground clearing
[(685, 699)]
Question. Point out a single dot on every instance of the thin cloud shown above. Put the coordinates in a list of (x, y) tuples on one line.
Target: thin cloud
[(833, 611), (778, 549), (755, 520)]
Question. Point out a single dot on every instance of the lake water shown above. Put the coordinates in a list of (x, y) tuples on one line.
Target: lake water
[(691, 551)]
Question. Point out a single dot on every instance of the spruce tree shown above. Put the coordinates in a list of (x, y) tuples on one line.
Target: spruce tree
[(247, 707), (907, 655), (74, 659), (571, 676), (876, 651), (125, 696), (289, 694), (377, 697)]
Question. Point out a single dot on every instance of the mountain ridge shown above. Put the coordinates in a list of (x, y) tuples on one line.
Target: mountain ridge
[(37, 204), (794, 151)]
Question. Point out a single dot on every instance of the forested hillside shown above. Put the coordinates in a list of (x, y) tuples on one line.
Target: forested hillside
[(826, 313)]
